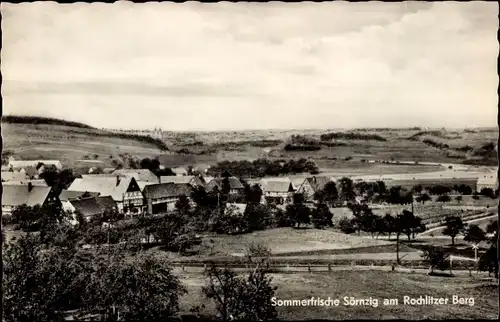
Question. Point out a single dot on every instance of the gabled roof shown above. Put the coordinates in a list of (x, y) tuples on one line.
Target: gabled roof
[(177, 179), (318, 183), (139, 174), (93, 206), (234, 183), (38, 183), (16, 195), (238, 207), (69, 195), (105, 185), (31, 171), (166, 190), (277, 186), (143, 184), (26, 163), (13, 176)]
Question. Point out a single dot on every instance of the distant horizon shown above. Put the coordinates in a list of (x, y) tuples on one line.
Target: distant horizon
[(235, 66), (423, 128)]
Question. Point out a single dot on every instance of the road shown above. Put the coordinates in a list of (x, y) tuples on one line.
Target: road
[(465, 222)]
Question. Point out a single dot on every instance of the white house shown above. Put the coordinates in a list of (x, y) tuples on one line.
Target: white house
[(489, 180), (124, 190), (278, 192), (17, 165)]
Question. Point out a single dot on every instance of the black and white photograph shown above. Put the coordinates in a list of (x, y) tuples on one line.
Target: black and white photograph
[(249, 161)]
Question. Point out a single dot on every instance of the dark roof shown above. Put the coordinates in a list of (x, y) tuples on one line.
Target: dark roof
[(277, 186), (234, 183), (93, 206), (318, 183), (16, 195), (31, 171), (69, 195), (164, 190)]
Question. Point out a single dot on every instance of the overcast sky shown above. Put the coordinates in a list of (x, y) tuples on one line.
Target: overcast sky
[(195, 66)]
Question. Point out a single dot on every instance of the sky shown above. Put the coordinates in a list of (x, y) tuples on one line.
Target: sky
[(236, 66)]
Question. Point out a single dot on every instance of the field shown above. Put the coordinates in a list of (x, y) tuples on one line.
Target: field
[(375, 284), (283, 240), (69, 144)]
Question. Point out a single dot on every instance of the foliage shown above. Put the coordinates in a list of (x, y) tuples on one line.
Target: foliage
[(347, 226), (474, 234), (298, 212), (351, 136), (409, 224), (256, 249), (321, 216), (488, 192), (42, 120), (263, 167), (453, 227), (347, 192), (489, 260), (239, 298), (443, 198), (436, 258), (423, 198)]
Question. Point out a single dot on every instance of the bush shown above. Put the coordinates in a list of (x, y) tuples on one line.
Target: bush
[(258, 250), (347, 226)]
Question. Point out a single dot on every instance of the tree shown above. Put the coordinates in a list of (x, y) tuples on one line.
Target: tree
[(330, 192), (255, 249), (443, 198), (436, 258), (474, 234), (423, 198), (347, 226), (489, 260), (183, 205), (298, 214), (458, 198), (40, 286), (488, 192), (492, 228), (347, 192), (253, 193), (417, 189), (237, 298), (390, 224), (141, 289), (322, 217), (454, 226)]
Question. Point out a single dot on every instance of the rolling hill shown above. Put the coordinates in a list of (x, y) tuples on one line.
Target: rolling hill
[(75, 144)]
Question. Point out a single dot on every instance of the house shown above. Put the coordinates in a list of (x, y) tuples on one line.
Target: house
[(13, 176), (144, 175), (124, 190), (312, 185), (235, 209), (277, 192), (195, 181), (20, 164), (37, 183), (31, 172), (92, 206), (206, 179), (235, 186), (163, 196), (179, 171), (29, 195), (66, 196), (489, 180)]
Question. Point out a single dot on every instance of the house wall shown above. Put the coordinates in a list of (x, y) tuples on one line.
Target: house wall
[(306, 190)]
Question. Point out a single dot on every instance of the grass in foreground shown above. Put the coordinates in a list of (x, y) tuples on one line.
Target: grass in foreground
[(375, 284)]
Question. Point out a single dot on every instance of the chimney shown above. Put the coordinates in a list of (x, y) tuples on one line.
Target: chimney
[(30, 186), (117, 180)]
